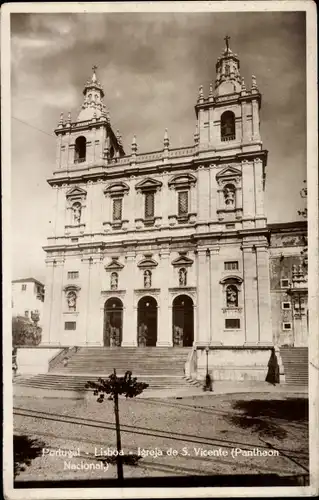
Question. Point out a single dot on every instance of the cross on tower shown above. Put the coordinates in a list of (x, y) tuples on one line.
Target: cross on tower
[(94, 68), (227, 38)]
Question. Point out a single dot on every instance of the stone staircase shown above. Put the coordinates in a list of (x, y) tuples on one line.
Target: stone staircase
[(162, 368), (295, 361)]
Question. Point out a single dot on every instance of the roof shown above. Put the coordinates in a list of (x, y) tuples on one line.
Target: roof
[(28, 280), (288, 226)]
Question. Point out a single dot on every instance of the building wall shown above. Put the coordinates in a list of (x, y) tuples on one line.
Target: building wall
[(26, 301)]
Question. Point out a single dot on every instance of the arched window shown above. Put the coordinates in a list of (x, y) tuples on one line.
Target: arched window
[(229, 195), (182, 276), (227, 126), (147, 278), (232, 296), (114, 281), (80, 150)]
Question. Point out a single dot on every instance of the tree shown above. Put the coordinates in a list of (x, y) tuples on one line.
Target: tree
[(116, 386), (24, 332), (304, 213)]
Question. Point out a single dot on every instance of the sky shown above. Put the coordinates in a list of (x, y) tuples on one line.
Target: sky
[(151, 66)]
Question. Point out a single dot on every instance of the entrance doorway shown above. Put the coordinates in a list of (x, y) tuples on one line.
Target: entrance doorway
[(113, 322), (183, 321), (147, 322)]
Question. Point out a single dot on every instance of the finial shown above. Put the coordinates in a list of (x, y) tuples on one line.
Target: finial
[(61, 119), (94, 116), (166, 139), (200, 93), (108, 118), (227, 38), (211, 92), (134, 144), (94, 68), (69, 117), (243, 86), (253, 82)]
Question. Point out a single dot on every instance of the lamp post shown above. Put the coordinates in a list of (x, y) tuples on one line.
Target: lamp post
[(208, 382)]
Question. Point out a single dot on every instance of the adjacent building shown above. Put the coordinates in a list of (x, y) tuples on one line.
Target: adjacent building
[(28, 298)]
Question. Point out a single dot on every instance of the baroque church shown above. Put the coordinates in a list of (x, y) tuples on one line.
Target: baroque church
[(172, 247)]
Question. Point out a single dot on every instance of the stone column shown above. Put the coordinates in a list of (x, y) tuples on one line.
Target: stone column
[(258, 168), (255, 120), (48, 303), (248, 189), (164, 335), (93, 329), (250, 295), (215, 297), (203, 193), (264, 300), (129, 313), (203, 305), (56, 322)]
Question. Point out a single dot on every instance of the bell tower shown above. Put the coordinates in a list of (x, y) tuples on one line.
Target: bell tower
[(88, 140), (229, 117)]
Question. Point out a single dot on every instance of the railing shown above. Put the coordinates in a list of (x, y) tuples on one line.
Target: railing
[(228, 138), (56, 359), (191, 364)]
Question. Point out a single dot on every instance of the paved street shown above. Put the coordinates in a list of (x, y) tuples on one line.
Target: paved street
[(220, 434)]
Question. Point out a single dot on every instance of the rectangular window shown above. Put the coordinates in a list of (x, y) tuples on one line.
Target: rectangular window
[(149, 205), (230, 226), (286, 326), (74, 239), (73, 275), (231, 266), (23, 288), (70, 325), (284, 283), (117, 209), (232, 323), (286, 305), (182, 202)]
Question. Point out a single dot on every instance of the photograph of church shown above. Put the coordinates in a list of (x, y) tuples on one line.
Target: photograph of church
[(172, 248), (159, 215)]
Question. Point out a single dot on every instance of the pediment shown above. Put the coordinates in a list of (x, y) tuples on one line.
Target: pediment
[(182, 181), (231, 279), (114, 265), (183, 260), (148, 262), (76, 192), (116, 188), (228, 172), (148, 184), (71, 288)]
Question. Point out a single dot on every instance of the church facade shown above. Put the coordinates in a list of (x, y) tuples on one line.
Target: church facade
[(171, 247)]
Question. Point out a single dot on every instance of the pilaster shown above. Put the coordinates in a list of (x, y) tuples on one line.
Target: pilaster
[(129, 312), (203, 194), (165, 327), (251, 295), (264, 299), (203, 304), (56, 320), (93, 329), (216, 326)]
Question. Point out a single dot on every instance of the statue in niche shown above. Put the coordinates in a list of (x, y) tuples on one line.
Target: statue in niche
[(77, 212), (229, 196), (232, 296), (182, 274), (71, 299), (114, 281), (147, 279)]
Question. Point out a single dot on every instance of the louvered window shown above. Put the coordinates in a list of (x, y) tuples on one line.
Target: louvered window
[(183, 203), (117, 209), (149, 205)]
